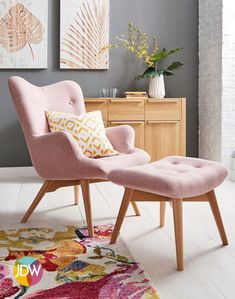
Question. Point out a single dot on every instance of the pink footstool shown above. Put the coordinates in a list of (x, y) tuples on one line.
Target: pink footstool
[(174, 180)]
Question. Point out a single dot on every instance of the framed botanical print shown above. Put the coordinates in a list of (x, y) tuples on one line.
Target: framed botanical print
[(23, 34), (84, 30)]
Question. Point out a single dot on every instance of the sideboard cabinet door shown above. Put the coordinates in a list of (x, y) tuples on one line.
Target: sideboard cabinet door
[(162, 138)]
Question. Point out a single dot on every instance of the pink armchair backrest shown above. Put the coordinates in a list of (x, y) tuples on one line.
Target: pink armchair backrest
[(31, 102)]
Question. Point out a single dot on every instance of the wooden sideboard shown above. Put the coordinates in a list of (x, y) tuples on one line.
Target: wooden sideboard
[(160, 125)]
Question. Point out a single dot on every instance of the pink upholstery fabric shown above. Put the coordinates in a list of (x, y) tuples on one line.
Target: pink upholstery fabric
[(174, 177), (56, 156)]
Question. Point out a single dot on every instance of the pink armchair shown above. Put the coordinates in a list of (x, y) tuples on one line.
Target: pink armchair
[(56, 156)]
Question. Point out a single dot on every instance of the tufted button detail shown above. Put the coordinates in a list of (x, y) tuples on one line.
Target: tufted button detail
[(198, 166), (71, 102), (175, 162)]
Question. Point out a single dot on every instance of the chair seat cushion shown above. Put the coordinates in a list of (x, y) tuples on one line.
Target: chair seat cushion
[(174, 177), (134, 158)]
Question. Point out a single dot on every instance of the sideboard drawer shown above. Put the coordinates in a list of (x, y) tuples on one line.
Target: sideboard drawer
[(163, 109), (99, 104), (126, 109)]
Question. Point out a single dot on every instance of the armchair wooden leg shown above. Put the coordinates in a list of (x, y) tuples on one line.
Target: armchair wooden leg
[(87, 205), (178, 225), (135, 208), (162, 213), (122, 212), (76, 194), (36, 201), (218, 219)]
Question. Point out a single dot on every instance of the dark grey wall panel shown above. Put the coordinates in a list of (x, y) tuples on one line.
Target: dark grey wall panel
[(176, 24)]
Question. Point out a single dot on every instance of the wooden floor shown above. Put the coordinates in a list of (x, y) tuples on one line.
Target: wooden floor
[(209, 268)]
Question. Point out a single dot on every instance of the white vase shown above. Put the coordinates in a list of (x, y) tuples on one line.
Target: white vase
[(157, 87)]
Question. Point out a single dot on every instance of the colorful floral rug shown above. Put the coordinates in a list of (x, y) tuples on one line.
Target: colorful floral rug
[(74, 266)]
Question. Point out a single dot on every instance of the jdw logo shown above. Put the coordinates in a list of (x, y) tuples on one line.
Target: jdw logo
[(28, 271)]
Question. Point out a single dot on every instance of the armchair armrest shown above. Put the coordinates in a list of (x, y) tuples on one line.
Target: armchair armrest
[(122, 138), (57, 156), (54, 153)]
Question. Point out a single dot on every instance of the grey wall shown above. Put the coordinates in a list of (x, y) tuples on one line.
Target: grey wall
[(176, 24)]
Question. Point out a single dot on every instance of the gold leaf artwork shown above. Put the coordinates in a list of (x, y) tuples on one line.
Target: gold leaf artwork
[(88, 34), (18, 28)]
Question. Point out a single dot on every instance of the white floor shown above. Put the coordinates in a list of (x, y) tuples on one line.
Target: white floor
[(209, 267)]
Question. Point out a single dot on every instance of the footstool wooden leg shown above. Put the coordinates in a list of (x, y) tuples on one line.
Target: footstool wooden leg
[(162, 213), (135, 208), (122, 212), (178, 224), (218, 219)]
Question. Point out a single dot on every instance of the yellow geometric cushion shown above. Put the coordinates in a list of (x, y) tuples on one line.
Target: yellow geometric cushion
[(87, 129)]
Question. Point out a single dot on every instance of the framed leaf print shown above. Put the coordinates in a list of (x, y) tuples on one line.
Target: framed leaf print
[(23, 34), (84, 32)]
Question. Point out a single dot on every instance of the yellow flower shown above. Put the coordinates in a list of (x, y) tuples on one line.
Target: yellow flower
[(137, 42)]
